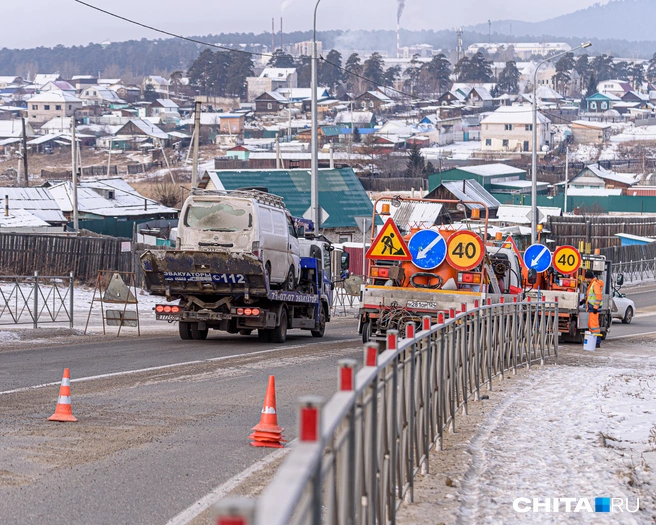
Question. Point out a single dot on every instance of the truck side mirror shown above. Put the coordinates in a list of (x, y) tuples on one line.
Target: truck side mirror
[(620, 279), (532, 276), (346, 260)]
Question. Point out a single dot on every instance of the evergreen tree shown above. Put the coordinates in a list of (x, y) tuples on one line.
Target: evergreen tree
[(412, 72), (239, 69), (620, 70), (602, 66), (509, 78), (481, 71), (637, 75), (150, 95), (651, 69), (331, 75), (416, 165), (357, 138), (582, 65), (304, 71), (353, 83), (391, 74), (429, 169), (462, 69), (374, 69), (436, 74), (281, 59), (563, 68)]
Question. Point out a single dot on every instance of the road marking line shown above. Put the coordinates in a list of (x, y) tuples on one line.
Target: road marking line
[(175, 365), (221, 491), (627, 336)]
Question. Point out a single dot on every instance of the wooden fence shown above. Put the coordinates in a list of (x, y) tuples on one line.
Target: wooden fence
[(598, 230), (23, 254), (101, 171)]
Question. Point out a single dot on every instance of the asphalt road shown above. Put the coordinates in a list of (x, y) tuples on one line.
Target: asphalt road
[(148, 444), (167, 420)]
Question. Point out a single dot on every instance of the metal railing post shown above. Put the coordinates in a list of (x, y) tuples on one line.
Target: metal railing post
[(477, 351), (71, 299), (35, 316)]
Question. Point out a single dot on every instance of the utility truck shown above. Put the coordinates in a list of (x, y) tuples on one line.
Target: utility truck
[(417, 269), (241, 264)]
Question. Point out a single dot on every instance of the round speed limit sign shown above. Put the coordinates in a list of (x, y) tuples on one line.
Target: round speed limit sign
[(566, 260), (465, 250)]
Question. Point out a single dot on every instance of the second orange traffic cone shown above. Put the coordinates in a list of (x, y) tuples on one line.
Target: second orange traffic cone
[(64, 410), (267, 433)]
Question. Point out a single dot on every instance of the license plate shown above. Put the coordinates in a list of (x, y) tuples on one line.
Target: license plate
[(422, 305), (167, 317)]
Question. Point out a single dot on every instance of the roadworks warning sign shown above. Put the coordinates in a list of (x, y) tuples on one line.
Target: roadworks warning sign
[(389, 245)]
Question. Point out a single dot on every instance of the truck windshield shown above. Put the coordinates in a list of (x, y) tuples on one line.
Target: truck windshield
[(220, 216)]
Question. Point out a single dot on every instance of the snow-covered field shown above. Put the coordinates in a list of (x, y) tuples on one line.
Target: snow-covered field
[(585, 428)]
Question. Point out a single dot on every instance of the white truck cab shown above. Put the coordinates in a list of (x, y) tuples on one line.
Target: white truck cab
[(243, 221)]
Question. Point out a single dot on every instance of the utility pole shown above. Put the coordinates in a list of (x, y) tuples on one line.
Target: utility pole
[(566, 178), (194, 171), (27, 177), (314, 181), (76, 224)]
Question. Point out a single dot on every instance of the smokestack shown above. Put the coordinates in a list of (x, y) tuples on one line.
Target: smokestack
[(6, 205), (273, 35), (398, 39), (281, 33)]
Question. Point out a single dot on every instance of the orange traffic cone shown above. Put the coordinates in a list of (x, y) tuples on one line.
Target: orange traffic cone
[(267, 432), (63, 411)]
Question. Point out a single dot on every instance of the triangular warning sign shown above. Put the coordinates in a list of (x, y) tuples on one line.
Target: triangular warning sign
[(389, 245), (118, 292)]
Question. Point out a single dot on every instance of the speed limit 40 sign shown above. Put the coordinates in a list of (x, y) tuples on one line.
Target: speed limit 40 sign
[(465, 250), (566, 260)]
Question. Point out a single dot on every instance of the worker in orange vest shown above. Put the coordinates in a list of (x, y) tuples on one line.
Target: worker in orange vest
[(594, 299)]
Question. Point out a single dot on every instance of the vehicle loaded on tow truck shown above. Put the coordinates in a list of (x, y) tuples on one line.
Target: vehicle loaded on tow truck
[(238, 267)]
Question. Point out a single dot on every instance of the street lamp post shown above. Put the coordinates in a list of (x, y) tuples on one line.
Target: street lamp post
[(534, 163), (314, 181)]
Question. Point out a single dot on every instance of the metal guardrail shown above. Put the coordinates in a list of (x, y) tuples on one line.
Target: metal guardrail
[(635, 271), (36, 299), (358, 454)]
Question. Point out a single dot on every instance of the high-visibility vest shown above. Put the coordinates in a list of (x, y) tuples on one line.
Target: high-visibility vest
[(595, 293)]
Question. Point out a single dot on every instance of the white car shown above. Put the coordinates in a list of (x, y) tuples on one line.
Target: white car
[(623, 308)]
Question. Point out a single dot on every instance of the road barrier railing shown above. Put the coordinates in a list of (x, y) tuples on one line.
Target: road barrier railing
[(358, 453), (35, 299), (635, 271)]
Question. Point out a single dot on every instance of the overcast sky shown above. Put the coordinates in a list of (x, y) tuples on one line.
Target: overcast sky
[(31, 23)]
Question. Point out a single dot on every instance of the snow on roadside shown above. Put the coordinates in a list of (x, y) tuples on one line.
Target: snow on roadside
[(566, 432)]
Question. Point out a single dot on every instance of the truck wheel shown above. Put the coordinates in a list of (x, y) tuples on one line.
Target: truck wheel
[(279, 333), (290, 282), (197, 334), (185, 330), (264, 335), (322, 324), (245, 332), (366, 331)]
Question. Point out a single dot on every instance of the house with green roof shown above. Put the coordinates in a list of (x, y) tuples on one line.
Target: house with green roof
[(341, 195), (495, 178)]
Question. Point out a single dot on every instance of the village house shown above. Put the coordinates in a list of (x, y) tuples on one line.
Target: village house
[(100, 96), (614, 87), (162, 106), (510, 128), (128, 93), (271, 79), (270, 102), (601, 102), (374, 101), (587, 132), (358, 119), (45, 106), (159, 84), (594, 177)]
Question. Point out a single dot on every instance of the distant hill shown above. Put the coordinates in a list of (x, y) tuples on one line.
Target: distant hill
[(631, 20)]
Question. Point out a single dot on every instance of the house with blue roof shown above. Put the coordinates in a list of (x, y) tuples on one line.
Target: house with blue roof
[(341, 195), (600, 102)]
